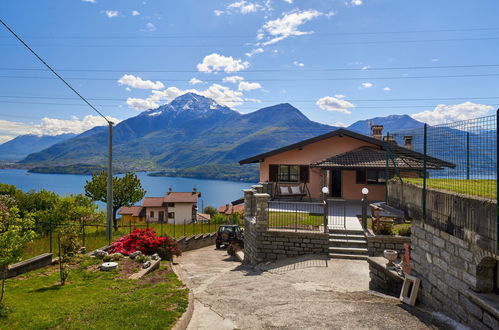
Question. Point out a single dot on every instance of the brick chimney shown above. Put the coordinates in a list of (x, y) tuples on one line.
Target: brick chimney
[(390, 139), (377, 131), (408, 141), (194, 190)]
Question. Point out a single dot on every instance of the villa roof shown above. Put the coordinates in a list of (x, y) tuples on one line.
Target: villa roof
[(153, 202), (135, 210), (229, 209), (382, 145), (368, 157), (182, 197)]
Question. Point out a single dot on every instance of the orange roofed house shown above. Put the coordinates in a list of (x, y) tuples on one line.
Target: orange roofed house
[(174, 207), (342, 160)]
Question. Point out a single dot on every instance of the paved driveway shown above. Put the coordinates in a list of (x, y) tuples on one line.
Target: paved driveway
[(303, 293)]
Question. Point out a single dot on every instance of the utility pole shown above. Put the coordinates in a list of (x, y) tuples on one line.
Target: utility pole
[(109, 198)]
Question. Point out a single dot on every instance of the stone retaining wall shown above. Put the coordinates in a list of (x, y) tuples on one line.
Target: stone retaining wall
[(382, 279), (187, 243), (25, 266), (448, 268), (376, 244)]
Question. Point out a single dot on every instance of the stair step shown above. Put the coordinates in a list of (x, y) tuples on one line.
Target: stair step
[(347, 243), (346, 231), (348, 240), (347, 256), (347, 236), (347, 250)]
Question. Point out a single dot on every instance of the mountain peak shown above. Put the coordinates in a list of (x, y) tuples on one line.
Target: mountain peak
[(192, 100)]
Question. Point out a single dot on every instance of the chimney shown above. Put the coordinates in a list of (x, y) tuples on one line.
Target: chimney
[(377, 131), (170, 190), (408, 141), (390, 139), (194, 191)]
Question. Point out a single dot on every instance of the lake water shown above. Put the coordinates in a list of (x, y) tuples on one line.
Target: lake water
[(213, 192)]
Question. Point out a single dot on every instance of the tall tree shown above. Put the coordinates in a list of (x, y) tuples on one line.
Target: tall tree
[(127, 190), (15, 232)]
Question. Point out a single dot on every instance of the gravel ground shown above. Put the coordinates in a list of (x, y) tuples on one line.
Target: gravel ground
[(298, 293)]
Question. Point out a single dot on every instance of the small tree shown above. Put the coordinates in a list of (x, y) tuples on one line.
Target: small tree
[(15, 232), (69, 243), (211, 210), (126, 191)]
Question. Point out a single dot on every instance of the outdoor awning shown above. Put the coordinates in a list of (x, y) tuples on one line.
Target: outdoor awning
[(368, 157)]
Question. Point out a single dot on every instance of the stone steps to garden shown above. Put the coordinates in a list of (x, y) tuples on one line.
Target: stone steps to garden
[(347, 244)]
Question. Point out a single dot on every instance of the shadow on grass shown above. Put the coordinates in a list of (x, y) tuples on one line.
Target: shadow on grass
[(54, 287), (4, 311)]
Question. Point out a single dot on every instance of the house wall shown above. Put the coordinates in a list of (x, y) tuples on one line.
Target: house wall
[(315, 152), (127, 218), (352, 190), (183, 211), (156, 213)]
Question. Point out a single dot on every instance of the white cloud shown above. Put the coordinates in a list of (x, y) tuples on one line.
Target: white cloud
[(91, 1), (340, 96), (137, 82), (215, 62), (298, 64), (339, 124), (387, 89), (434, 59), (288, 1), (218, 12), (51, 126), (112, 13), (356, 2), (135, 13), (330, 103), (286, 26), (365, 67), (366, 85), (254, 52), (243, 7), (248, 86), (195, 81), (448, 113), (233, 79), (149, 28), (221, 94)]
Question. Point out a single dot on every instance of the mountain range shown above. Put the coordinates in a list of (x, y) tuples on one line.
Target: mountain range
[(23, 145), (193, 136)]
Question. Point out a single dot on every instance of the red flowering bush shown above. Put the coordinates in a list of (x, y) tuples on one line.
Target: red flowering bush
[(145, 241), (168, 249)]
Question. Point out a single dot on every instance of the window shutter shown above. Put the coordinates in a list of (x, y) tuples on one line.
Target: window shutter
[(273, 173), (361, 177), (304, 173)]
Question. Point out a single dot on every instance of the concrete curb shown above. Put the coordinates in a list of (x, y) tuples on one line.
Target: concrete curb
[(141, 273), (183, 322)]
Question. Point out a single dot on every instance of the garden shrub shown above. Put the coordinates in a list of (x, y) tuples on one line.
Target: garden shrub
[(384, 228), (406, 231), (146, 241)]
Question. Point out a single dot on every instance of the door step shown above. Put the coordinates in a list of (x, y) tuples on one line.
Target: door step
[(347, 256)]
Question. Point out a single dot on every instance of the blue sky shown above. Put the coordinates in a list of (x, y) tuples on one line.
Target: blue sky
[(337, 61)]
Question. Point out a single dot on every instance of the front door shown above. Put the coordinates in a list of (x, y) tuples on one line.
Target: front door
[(335, 183), (161, 216)]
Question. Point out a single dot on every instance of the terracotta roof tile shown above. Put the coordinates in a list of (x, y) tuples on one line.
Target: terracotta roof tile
[(153, 202), (182, 197), (135, 210)]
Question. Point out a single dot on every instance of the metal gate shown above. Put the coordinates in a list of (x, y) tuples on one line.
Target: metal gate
[(336, 213)]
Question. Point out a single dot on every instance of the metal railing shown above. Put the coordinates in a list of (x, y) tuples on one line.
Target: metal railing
[(294, 216)]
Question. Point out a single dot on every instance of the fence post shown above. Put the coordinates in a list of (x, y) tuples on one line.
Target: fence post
[(467, 155), (174, 227), (130, 226), (425, 151), (83, 240), (50, 234), (184, 227), (497, 178), (326, 212)]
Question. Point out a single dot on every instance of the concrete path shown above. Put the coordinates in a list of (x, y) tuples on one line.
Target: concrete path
[(303, 293)]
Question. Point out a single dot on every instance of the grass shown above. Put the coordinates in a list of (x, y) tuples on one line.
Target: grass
[(91, 300), (292, 220), (95, 237), (483, 188)]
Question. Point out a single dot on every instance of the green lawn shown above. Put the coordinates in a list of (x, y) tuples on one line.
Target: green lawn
[(483, 188), (92, 299), (295, 220), (95, 237)]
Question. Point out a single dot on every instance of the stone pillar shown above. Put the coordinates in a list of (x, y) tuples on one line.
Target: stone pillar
[(258, 188), (261, 217), (267, 187), (248, 203)]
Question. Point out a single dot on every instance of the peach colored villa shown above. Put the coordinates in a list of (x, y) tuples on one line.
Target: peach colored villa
[(342, 160)]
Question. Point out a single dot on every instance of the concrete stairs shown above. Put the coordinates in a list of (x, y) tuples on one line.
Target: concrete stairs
[(347, 244)]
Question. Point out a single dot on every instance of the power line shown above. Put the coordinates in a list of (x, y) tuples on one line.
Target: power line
[(252, 36), (277, 79), (298, 100), (54, 72), (270, 70), (373, 42)]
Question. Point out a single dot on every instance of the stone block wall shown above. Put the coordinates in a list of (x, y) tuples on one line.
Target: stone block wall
[(382, 279), (196, 241), (376, 244), (25, 266), (450, 270)]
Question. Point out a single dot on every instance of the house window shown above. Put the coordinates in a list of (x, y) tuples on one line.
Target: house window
[(171, 215), (151, 214), (171, 204), (371, 177), (288, 173)]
